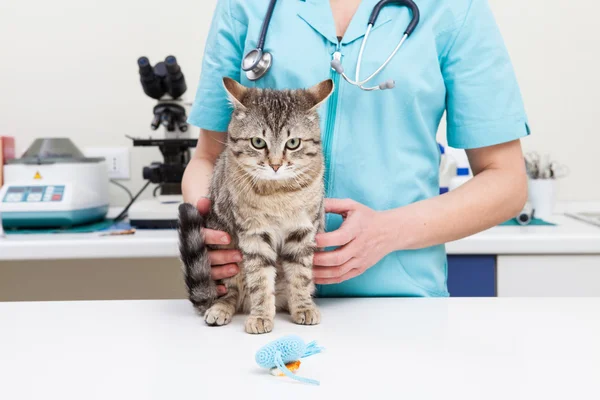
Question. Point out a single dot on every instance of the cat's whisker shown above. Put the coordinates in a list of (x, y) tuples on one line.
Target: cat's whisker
[(218, 141), (243, 181), (247, 183)]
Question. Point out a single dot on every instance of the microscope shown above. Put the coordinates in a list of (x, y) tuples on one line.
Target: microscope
[(165, 83)]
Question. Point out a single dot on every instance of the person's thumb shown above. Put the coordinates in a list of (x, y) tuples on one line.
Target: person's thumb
[(203, 205)]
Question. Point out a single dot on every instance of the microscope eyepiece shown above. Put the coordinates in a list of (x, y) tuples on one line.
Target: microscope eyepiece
[(164, 77), (171, 61), (143, 61), (151, 83), (176, 85)]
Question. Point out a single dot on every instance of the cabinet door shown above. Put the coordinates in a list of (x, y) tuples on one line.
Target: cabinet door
[(549, 276), (472, 276)]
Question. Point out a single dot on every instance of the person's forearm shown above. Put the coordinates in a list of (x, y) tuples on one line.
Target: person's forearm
[(196, 179), (489, 198)]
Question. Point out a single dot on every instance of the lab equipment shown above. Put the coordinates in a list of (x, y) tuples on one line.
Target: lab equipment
[(543, 172), (160, 212), (54, 185), (526, 215), (164, 82), (165, 77), (462, 177), (463, 169), (447, 170), (542, 194), (592, 218), (287, 350), (257, 62), (390, 84), (539, 167)]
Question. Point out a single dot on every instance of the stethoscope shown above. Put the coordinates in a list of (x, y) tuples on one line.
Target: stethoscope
[(257, 62)]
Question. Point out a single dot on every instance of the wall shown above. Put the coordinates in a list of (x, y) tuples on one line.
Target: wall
[(68, 69)]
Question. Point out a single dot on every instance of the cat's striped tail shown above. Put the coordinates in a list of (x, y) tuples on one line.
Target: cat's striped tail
[(202, 290)]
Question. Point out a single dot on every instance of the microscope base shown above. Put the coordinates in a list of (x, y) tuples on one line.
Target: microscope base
[(157, 213)]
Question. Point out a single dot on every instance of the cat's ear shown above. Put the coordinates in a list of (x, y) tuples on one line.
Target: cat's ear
[(236, 92), (320, 92)]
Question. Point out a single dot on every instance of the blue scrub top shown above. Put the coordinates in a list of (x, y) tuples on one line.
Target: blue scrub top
[(380, 147)]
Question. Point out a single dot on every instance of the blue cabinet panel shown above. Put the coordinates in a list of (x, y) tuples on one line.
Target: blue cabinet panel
[(472, 276)]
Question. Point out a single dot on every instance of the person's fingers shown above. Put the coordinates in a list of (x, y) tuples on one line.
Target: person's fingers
[(221, 257), (339, 206), (224, 271), (216, 237), (221, 290), (203, 205), (335, 272), (333, 258), (348, 275), (337, 238)]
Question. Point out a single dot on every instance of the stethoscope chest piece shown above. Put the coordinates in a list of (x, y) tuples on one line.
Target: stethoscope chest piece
[(256, 64)]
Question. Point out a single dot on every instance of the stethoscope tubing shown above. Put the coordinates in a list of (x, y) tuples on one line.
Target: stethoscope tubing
[(252, 65), (261, 39)]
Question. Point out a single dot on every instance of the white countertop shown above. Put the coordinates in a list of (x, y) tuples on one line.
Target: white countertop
[(414, 348), (568, 237)]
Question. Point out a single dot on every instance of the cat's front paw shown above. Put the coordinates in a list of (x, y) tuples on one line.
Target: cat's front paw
[(218, 315), (307, 316), (257, 325)]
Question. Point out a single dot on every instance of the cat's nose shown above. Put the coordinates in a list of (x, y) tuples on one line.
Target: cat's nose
[(275, 167)]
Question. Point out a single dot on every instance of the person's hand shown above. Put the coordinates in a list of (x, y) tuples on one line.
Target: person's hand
[(223, 261), (362, 241)]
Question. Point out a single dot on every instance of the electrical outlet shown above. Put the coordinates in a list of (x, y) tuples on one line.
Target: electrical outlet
[(117, 160)]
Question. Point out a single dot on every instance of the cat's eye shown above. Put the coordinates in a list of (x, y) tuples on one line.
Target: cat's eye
[(293, 144), (258, 143)]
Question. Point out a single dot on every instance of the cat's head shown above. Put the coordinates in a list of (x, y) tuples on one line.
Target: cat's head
[(275, 135)]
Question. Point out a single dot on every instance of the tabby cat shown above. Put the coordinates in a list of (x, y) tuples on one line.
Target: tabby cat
[(267, 192)]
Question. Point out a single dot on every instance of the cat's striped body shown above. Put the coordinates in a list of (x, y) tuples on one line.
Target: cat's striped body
[(271, 212)]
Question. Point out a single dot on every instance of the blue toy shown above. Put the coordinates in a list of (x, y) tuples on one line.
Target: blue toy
[(286, 350)]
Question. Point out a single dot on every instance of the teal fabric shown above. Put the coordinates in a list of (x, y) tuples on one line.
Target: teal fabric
[(380, 147), (107, 225), (534, 222)]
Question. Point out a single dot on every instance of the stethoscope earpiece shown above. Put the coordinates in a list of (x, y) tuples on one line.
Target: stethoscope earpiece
[(389, 84)]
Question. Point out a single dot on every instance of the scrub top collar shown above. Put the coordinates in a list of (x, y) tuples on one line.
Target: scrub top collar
[(317, 13)]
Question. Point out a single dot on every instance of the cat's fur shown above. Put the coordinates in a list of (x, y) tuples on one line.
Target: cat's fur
[(271, 203)]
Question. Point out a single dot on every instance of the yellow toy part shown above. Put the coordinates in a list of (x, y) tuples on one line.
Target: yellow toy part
[(293, 367)]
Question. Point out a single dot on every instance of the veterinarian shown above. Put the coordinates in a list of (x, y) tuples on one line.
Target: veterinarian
[(386, 220)]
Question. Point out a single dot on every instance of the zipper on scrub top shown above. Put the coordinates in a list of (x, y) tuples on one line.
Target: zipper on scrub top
[(331, 116)]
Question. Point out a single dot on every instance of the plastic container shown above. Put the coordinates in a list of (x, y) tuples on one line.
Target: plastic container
[(447, 170), (463, 171), (462, 176), (542, 197)]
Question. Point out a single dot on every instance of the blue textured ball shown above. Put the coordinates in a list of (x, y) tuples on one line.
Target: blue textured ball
[(291, 347)]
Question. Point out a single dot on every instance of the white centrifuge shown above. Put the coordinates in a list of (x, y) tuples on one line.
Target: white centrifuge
[(53, 186)]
